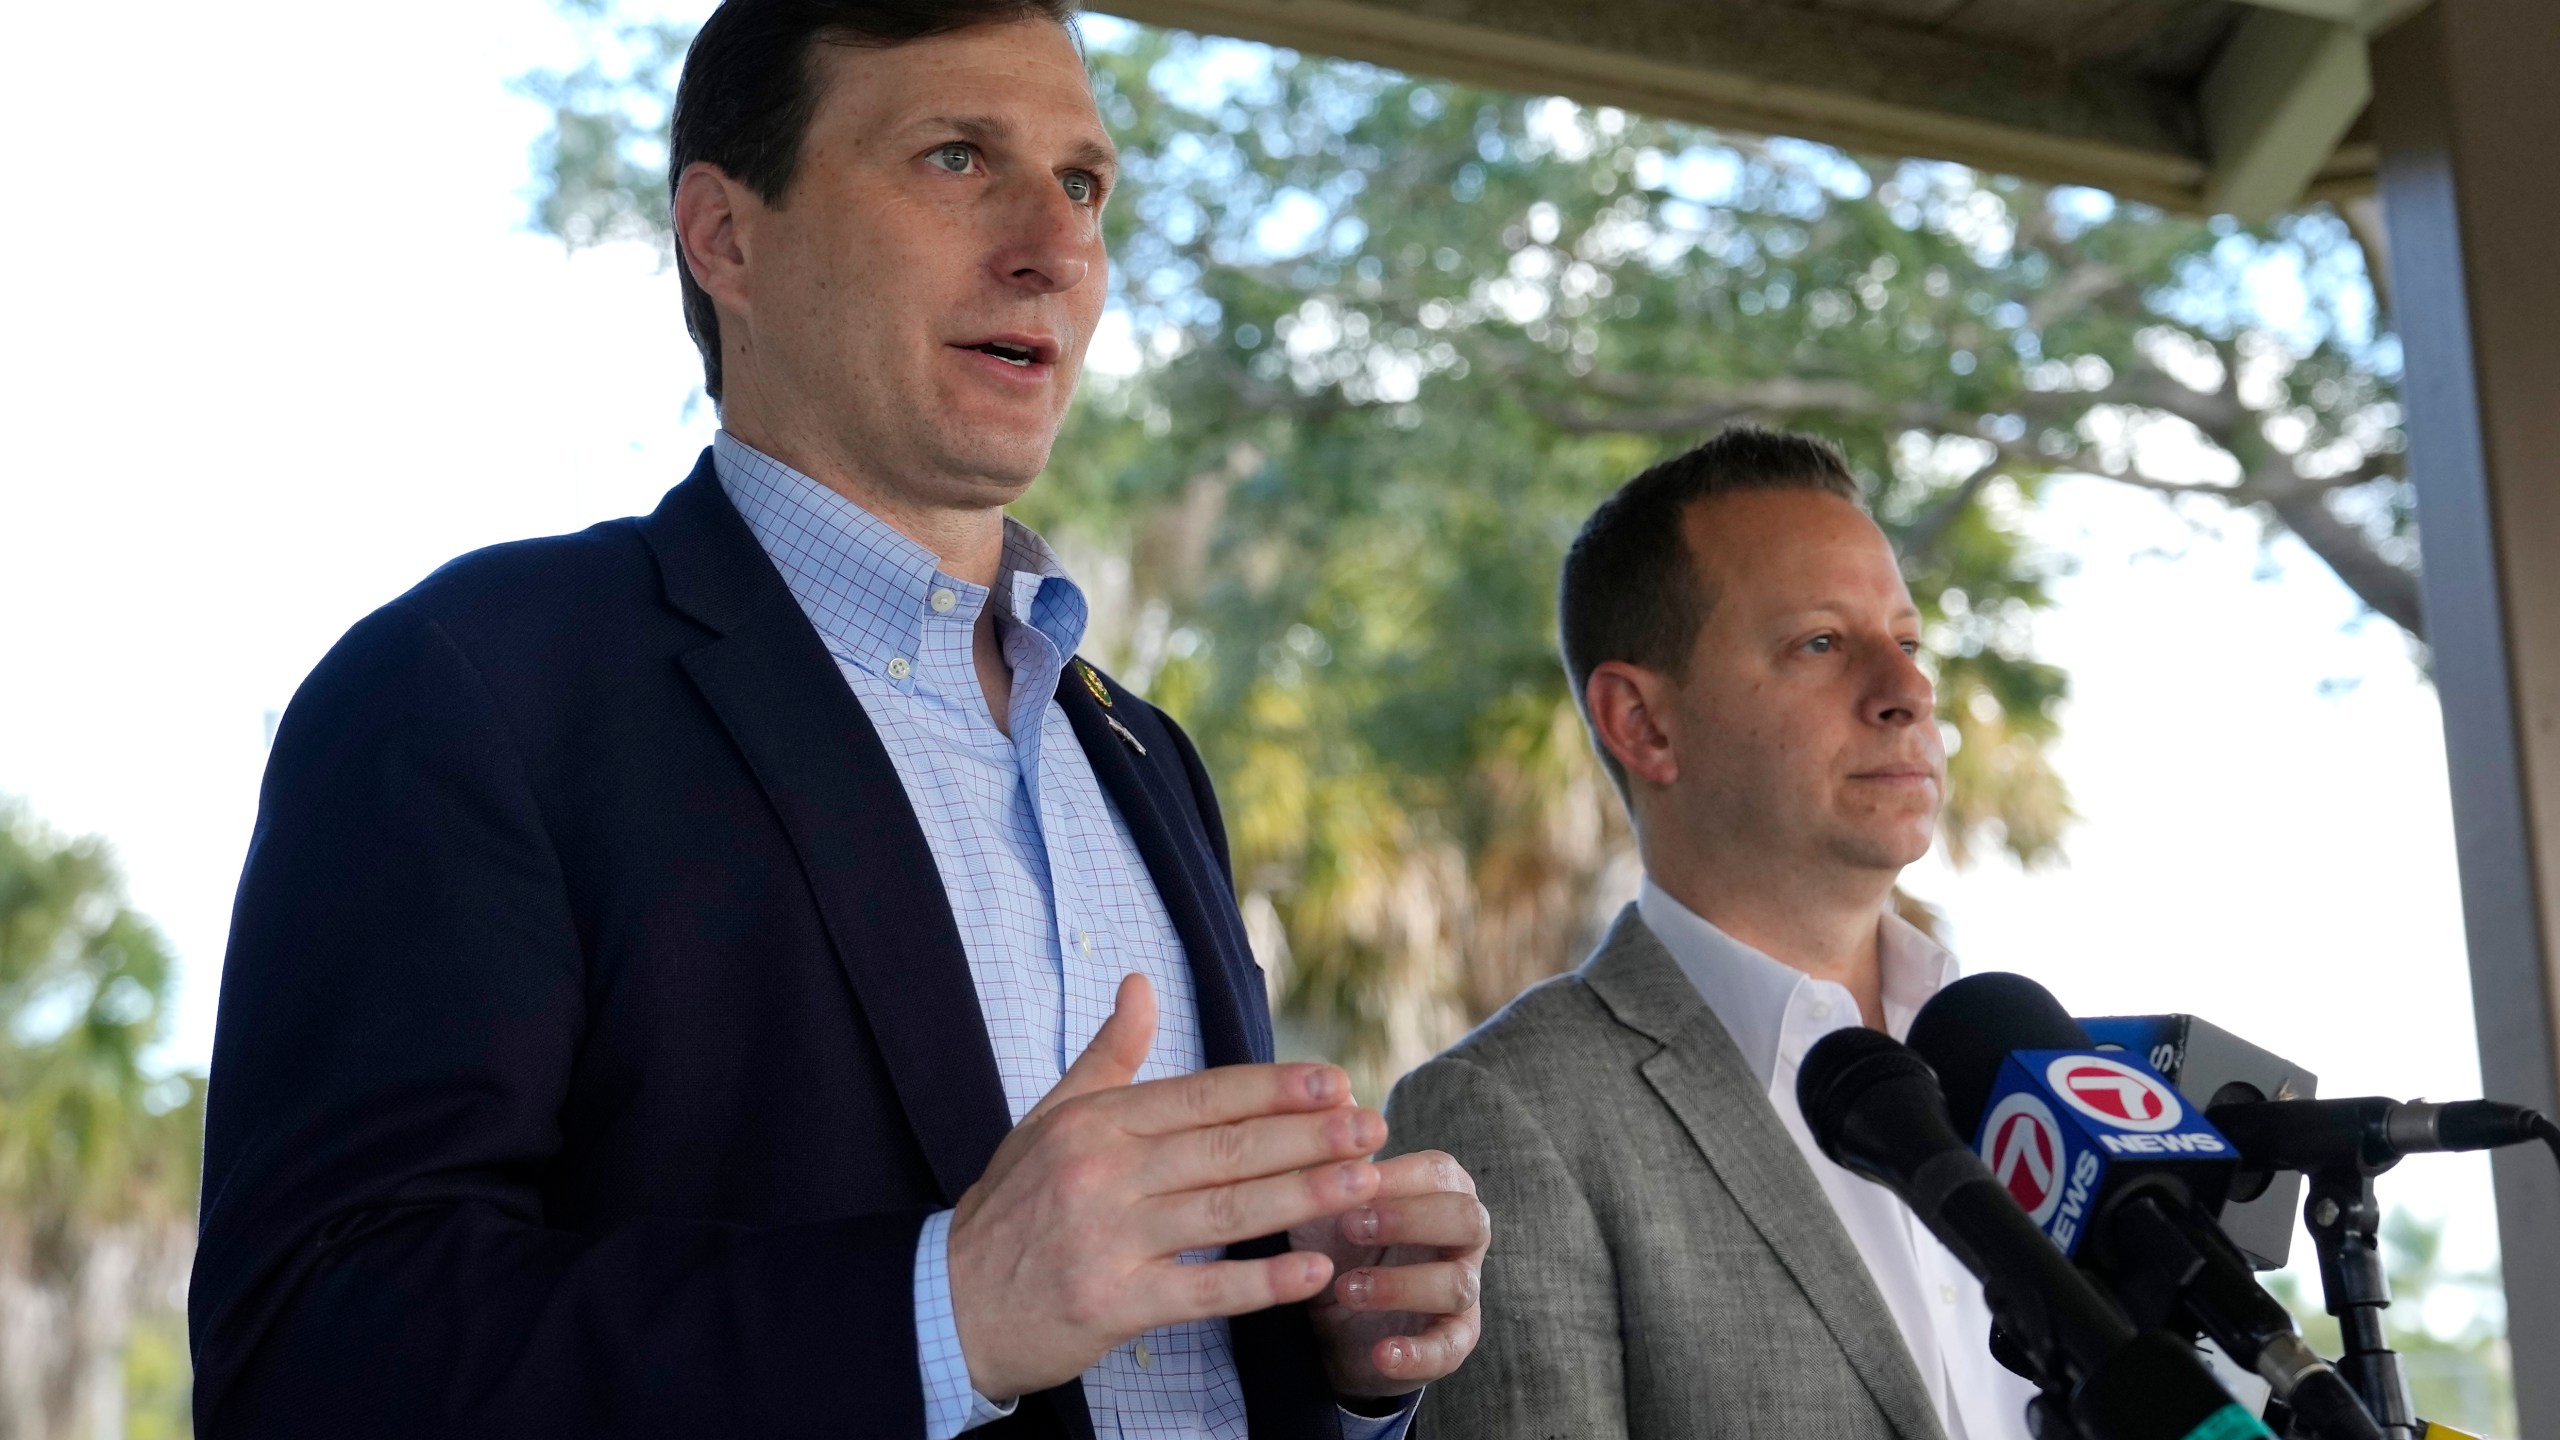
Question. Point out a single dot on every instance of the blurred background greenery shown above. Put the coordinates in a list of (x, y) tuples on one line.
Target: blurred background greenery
[(1379, 343)]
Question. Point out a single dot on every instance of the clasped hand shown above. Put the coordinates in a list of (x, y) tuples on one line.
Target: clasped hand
[(1068, 1246)]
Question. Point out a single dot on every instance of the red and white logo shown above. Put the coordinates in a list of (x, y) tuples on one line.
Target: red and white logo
[(2114, 1093), (2023, 1146)]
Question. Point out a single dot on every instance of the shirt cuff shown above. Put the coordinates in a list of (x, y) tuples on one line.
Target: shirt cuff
[(951, 1403), (1381, 1427)]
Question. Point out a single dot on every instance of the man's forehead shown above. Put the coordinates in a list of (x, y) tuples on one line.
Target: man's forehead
[(1782, 551), (996, 83)]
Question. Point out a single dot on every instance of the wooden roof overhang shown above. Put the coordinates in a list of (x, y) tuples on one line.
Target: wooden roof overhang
[(2243, 106)]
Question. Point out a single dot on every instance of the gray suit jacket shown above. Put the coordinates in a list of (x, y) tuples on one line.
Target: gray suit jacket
[(1663, 1261)]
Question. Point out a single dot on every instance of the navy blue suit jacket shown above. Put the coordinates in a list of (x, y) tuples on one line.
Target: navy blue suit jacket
[(595, 1033)]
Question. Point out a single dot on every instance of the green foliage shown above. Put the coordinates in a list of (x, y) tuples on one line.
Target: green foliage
[(98, 1156), (159, 1382), (87, 1134), (600, 172), (1398, 336)]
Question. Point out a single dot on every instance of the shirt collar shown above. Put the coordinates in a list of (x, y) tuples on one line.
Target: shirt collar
[(866, 587), (1774, 1010)]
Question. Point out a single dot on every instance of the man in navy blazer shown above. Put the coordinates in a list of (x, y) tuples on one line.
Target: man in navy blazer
[(634, 1023)]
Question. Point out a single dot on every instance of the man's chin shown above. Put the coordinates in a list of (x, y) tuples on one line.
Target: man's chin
[(994, 475), (1889, 851)]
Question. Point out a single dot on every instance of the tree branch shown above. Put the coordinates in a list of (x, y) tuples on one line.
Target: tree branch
[(1920, 542), (2391, 591), (2301, 505), (2082, 284)]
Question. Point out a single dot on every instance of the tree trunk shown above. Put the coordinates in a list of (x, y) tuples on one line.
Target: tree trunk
[(65, 1325), (105, 1322)]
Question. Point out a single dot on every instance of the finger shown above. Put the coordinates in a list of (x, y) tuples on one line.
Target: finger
[(1227, 1094), (1431, 1355), (1112, 1057), (1225, 1214), (1424, 1172), (1172, 1293), (1262, 1145), (1448, 1220), (1439, 1287)]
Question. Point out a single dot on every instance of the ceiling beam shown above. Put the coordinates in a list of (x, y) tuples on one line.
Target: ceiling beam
[(2276, 103), (1839, 79), (2262, 136), (2336, 12), (2370, 16)]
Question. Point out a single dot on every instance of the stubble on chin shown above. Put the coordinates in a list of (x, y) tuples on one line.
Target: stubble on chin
[(1888, 840)]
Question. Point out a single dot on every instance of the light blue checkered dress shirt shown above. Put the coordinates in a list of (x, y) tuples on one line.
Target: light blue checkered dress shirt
[(1053, 902)]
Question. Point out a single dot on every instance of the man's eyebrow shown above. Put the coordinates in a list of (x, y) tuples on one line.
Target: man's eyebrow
[(1835, 610), (1085, 153)]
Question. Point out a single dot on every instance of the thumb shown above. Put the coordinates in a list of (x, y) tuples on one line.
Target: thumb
[(1112, 1057)]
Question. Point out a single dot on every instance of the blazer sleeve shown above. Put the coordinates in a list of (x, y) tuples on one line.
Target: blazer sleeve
[(401, 1011), (1551, 1362)]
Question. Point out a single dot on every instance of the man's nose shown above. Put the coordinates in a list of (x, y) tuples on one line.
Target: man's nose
[(1899, 693), (1049, 241)]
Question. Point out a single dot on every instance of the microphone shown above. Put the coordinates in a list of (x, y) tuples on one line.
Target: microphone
[(1875, 1108), (2068, 1130), (2370, 1133), (2211, 1066), (2120, 1173)]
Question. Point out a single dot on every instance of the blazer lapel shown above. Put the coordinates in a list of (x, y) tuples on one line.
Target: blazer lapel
[(1235, 1024), (1278, 1366), (823, 768), (1701, 1077)]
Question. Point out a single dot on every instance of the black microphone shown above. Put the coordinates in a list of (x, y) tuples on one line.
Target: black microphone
[(2370, 1133), (1875, 1108), (2140, 1210)]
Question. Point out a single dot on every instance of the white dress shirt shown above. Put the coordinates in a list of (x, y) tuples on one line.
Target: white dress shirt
[(1775, 1013)]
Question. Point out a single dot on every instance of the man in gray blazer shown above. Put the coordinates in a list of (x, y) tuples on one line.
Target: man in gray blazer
[(1677, 1257)]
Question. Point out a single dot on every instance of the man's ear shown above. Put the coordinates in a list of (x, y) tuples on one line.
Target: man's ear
[(708, 212), (1630, 709)]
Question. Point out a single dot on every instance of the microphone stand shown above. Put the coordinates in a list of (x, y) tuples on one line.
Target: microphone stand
[(2346, 1225)]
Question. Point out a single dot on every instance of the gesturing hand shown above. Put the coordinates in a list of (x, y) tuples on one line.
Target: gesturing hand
[(1066, 1247), (1403, 1311)]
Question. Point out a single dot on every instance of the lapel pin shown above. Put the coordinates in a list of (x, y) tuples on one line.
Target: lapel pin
[(1093, 682), (1114, 722)]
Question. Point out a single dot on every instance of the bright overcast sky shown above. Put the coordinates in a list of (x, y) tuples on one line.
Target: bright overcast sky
[(280, 345)]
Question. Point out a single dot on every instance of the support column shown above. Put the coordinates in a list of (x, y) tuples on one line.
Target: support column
[(2468, 115)]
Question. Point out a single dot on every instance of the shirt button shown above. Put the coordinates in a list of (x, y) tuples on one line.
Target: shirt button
[(900, 668), (1085, 939), (1145, 1356), (1821, 1010), (1946, 1294), (943, 600)]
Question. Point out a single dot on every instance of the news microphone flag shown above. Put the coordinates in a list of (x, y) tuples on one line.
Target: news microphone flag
[(2064, 1127)]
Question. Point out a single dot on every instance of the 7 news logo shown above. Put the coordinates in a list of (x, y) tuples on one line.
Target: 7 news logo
[(2057, 1121)]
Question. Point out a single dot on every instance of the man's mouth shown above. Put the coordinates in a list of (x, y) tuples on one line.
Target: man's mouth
[(1021, 351)]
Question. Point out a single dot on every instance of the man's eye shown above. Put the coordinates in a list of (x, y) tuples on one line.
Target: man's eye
[(1081, 187), (1823, 644), (955, 158)]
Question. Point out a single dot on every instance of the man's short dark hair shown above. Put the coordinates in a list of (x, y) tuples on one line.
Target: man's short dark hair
[(1631, 591), (751, 86)]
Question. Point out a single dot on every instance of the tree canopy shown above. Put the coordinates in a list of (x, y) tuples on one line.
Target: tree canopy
[(98, 1155), (1387, 340)]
